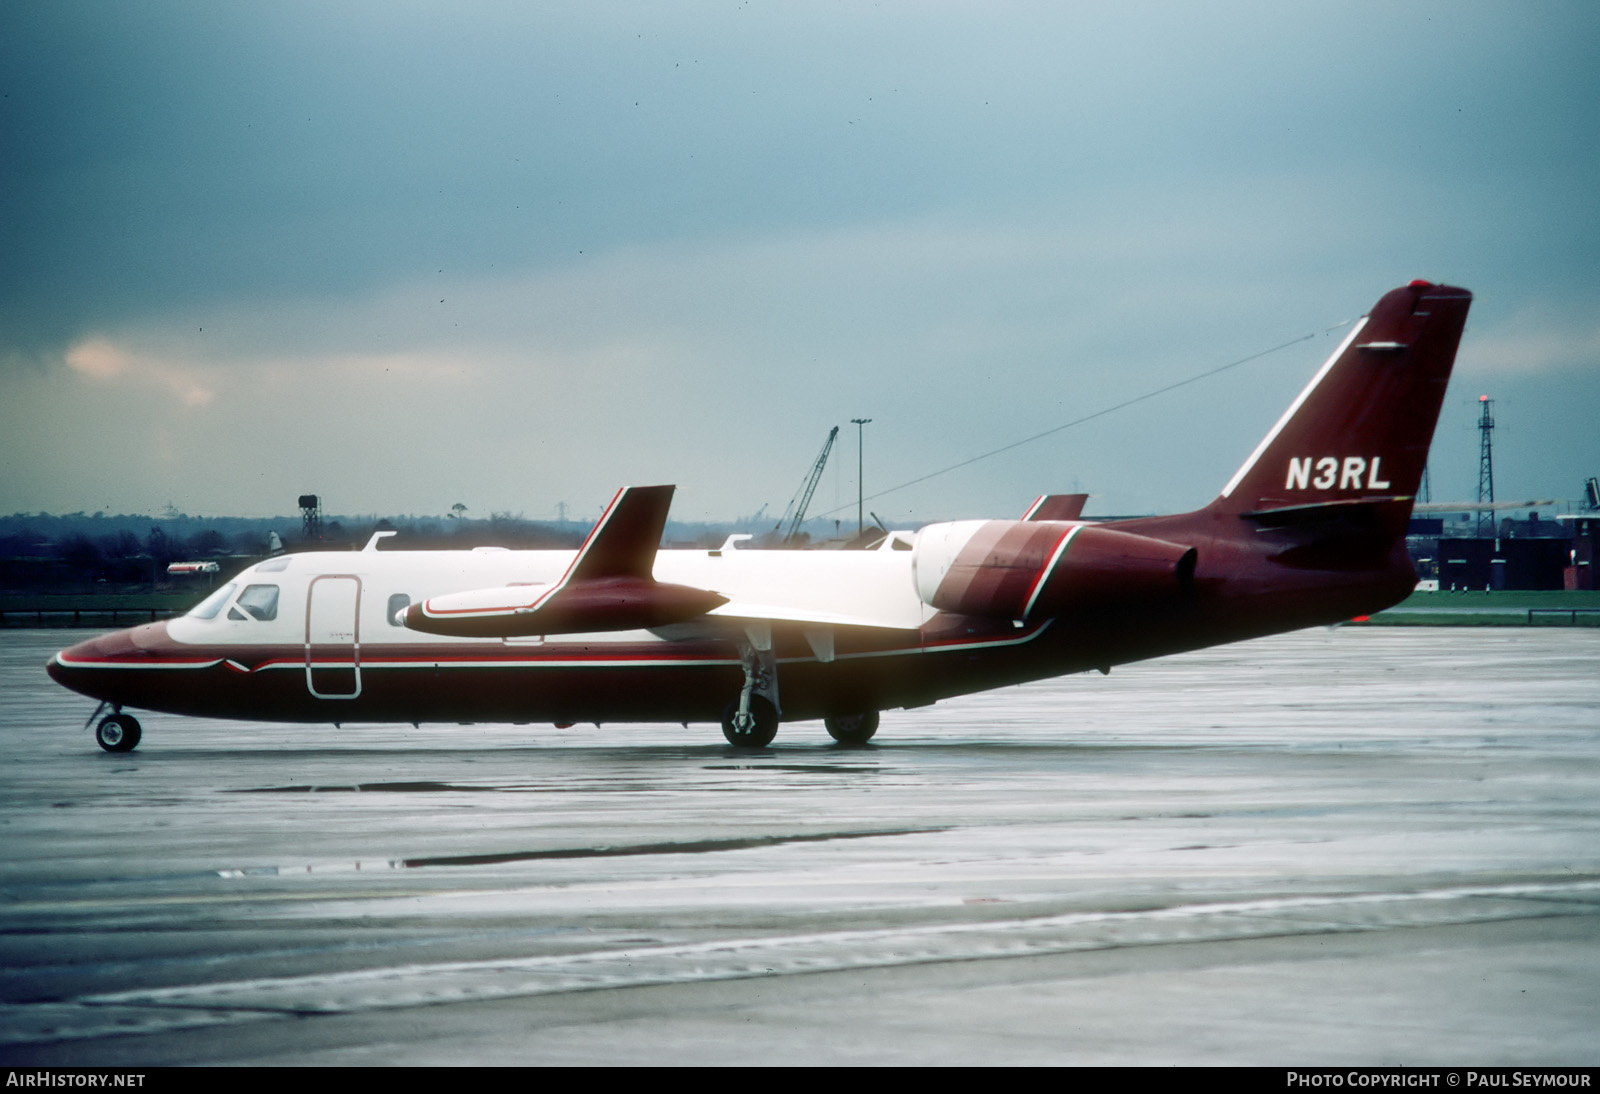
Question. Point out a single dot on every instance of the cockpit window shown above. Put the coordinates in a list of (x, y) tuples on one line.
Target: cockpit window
[(211, 605), (256, 602)]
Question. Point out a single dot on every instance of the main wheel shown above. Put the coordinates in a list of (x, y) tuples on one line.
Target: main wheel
[(763, 727), (852, 730), (118, 733)]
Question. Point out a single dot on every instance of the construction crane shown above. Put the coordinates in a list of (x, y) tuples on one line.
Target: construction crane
[(795, 514)]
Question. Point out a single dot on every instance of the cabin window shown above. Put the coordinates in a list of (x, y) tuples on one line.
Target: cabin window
[(211, 605), (257, 602), (398, 603)]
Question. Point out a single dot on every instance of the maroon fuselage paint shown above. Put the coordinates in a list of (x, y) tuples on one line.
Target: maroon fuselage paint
[(1311, 531)]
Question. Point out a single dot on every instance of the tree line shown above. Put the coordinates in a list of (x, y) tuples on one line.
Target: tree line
[(82, 552)]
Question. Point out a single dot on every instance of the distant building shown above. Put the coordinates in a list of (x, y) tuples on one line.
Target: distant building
[(1526, 554)]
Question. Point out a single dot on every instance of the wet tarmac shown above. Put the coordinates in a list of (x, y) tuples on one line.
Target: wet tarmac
[(1357, 846)]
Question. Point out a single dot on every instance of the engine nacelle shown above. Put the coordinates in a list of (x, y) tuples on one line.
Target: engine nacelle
[(1012, 569)]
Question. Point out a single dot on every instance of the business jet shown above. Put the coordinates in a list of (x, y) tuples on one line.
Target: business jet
[(1309, 531)]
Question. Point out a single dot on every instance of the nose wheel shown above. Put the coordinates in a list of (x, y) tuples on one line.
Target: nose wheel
[(118, 733)]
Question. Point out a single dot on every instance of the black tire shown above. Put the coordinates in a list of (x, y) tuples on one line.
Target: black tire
[(118, 733), (852, 730), (760, 735)]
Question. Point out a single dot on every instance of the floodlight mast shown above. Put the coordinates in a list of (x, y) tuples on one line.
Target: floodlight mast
[(860, 424), (1486, 468)]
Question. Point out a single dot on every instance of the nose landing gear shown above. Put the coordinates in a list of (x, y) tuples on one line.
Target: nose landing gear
[(118, 733)]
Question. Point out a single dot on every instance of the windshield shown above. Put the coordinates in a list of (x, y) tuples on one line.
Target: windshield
[(211, 605), (256, 602)]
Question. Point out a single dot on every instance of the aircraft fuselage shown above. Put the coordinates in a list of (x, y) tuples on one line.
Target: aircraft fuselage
[(1310, 530), (332, 651)]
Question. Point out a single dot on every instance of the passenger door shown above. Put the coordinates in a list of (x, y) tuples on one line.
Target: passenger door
[(333, 636)]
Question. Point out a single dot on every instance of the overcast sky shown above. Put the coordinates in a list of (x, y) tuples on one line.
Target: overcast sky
[(511, 255)]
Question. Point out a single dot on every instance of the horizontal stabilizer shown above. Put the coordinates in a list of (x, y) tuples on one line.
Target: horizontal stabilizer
[(1319, 511), (1348, 534)]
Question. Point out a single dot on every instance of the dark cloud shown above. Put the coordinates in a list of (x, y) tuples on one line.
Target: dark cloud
[(814, 206)]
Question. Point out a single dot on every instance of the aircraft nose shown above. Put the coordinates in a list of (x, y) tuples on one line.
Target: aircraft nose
[(80, 667), (69, 666)]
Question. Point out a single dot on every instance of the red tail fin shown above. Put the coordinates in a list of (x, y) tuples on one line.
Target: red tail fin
[(1361, 429)]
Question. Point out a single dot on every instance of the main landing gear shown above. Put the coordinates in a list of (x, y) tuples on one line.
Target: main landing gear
[(118, 732), (751, 720), (852, 730), (755, 727)]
